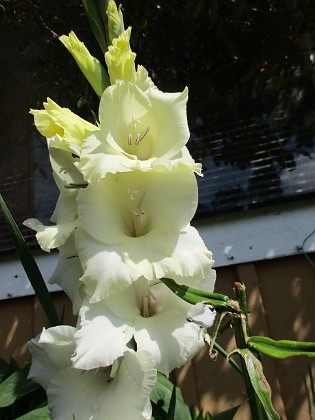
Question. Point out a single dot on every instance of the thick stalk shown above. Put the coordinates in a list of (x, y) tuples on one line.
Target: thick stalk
[(241, 334)]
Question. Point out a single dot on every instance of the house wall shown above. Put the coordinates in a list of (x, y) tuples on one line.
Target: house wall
[(281, 301)]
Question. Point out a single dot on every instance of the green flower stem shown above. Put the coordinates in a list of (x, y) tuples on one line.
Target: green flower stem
[(241, 335)]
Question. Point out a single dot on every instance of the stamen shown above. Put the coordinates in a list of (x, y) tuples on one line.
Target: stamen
[(129, 139), (145, 305), (138, 139), (145, 133)]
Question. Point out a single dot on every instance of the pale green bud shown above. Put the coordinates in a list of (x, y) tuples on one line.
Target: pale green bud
[(120, 59), (115, 21), (89, 65)]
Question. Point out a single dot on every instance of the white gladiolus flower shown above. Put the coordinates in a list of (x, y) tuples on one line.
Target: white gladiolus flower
[(159, 321), (120, 391), (136, 226), (138, 129)]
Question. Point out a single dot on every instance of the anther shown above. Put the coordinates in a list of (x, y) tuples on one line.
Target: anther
[(129, 139)]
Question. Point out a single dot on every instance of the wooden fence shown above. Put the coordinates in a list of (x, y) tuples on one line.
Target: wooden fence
[(281, 298)]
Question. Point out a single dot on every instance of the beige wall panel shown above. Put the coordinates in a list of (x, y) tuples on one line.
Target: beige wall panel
[(288, 290), (22, 319), (16, 328), (247, 274)]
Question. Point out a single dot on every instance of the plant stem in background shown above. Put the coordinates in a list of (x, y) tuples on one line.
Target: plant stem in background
[(241, 334)]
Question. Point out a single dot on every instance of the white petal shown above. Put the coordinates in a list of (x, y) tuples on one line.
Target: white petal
[(169, 337), (73, 394), (50, 237), (135, 381), (178, 255), (51, 351), (98, 158), (104, 271), (190, 258), (133, 204), (159, 119), (68, 272), (170, 110), (124, 108), (64, 170), (103, 335), (66, 208)]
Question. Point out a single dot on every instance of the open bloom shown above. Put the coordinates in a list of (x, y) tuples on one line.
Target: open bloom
[(120, 391), (158, 320), (138, 129), (136, 227)]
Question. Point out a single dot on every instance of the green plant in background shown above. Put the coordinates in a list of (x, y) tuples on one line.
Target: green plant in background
[(111, 175)]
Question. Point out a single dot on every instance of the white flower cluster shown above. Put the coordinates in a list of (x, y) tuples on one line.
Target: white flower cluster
[(122, 222)]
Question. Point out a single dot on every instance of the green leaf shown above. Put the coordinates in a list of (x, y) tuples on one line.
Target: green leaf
[(258, 381), (194, 296), (282, 348), (227, 414), (161, 397), (30, 267), (96, 22), (41, 413), (15, 386)]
